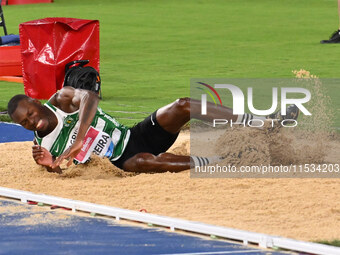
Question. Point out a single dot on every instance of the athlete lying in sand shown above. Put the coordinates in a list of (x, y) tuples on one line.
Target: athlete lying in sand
[(71, 126)]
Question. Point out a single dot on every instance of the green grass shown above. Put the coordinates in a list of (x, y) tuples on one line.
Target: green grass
[(335, 242), (151, 49)]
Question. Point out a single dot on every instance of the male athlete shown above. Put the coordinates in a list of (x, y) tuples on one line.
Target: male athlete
[(71, 126)]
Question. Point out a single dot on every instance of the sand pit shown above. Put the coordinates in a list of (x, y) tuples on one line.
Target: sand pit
[(31, 216), (306, 209)]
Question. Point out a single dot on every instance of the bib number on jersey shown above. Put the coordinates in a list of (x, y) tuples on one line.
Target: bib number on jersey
[(97, 142)]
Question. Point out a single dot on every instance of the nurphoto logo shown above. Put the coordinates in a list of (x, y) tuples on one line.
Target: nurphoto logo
[(238, 99)]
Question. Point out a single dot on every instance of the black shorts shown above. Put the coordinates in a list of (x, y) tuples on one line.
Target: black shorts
[(146, 136)]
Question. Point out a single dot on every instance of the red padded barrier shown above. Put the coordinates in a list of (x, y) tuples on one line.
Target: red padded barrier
[(47, 45), (12, 2), (10, 61)]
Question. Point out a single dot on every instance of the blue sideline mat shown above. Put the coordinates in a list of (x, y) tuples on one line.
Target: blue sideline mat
[(29, 229), (14, 133), (26, 230)]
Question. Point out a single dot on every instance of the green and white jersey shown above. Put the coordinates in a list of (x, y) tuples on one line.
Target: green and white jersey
[(105, 137)]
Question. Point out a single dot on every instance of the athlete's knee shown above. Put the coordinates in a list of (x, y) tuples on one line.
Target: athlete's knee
[(145, 161), (183, 105), (163, 156)]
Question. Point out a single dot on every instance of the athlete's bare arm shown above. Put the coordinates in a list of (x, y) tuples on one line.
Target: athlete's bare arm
[(44, 158), (70, 100)]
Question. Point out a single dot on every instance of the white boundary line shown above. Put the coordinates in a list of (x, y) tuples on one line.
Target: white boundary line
[(264, 241)]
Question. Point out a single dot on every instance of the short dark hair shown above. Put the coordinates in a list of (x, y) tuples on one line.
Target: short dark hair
[(13, 103)]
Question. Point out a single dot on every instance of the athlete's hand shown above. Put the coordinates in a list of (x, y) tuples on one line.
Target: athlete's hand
[(69, 154), (42, 156)]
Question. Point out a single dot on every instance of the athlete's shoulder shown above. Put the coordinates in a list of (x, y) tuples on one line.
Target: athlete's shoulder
[(62, 99), (65, 94)]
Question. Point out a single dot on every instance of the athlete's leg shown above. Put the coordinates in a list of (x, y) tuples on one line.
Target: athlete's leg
[(147, 162), (172, 117)]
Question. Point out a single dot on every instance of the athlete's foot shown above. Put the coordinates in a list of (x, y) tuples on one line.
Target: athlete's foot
[(334, 38), (292, 113)]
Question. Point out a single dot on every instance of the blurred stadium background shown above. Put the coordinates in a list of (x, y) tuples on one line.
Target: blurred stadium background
[(150, 49)]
